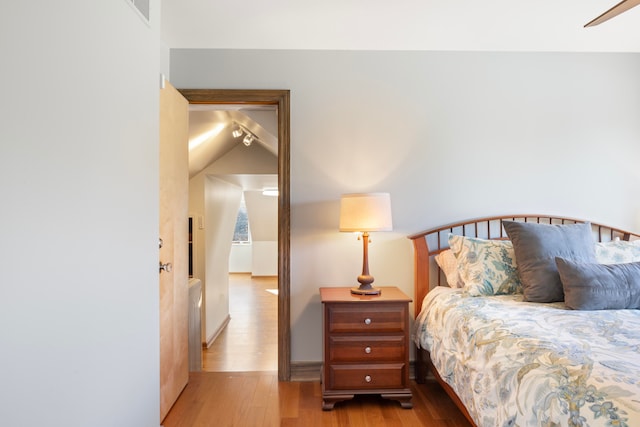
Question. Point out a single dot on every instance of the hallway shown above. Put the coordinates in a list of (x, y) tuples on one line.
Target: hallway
[(249, 342)]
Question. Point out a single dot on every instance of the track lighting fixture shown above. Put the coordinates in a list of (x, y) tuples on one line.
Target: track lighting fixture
[(237, 132)]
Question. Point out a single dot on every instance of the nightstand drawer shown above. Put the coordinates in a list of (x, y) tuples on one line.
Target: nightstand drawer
[(354, 317), (367, 377), (377, 348)]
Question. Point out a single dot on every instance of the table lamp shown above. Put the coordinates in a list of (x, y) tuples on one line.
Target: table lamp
[(362, 213)]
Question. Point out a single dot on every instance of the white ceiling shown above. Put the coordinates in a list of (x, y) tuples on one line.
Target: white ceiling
[(459, 25)]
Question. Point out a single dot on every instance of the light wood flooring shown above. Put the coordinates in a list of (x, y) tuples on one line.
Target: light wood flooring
[(239, 384), (250, 340)]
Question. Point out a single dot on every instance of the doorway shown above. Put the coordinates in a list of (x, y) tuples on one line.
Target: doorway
[(281, 99)]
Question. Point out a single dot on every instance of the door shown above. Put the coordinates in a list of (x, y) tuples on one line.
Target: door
[(174, 223)]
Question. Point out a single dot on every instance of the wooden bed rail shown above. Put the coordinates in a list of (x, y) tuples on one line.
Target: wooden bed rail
[(431, 242)]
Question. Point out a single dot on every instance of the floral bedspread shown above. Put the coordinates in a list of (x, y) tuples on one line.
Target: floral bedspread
[(515, 363)]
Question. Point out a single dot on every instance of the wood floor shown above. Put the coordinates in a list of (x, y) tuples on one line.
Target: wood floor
[(250, 340), (255, 399), (239, 383)]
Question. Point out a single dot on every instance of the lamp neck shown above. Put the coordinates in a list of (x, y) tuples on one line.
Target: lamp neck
[(365, 278)]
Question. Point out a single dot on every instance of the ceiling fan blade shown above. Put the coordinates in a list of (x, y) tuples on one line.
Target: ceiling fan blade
[(616, 10)]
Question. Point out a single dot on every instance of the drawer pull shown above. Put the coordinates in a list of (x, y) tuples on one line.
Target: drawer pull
[(367, 350), (367, 321), (367, 378)]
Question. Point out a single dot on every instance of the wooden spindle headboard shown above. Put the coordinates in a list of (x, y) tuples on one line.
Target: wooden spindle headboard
[(429, 243)]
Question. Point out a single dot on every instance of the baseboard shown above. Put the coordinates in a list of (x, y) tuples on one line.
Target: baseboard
[(305, 371), (310, 371), (218, 331)]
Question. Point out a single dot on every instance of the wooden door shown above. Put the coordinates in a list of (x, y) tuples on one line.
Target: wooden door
[(174, 193)]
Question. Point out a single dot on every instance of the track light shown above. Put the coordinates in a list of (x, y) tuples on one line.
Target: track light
[(239, 130)]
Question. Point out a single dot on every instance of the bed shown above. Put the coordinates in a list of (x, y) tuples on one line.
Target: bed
[(510, 354)]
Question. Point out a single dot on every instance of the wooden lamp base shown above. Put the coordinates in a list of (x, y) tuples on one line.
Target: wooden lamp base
[(365, 290)]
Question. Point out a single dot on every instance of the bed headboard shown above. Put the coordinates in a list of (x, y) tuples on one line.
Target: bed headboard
[(427, 244)]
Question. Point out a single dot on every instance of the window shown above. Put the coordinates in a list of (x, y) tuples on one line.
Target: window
[(241, 233)]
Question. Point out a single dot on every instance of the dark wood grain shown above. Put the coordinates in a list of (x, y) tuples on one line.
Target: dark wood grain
[(366, 345)]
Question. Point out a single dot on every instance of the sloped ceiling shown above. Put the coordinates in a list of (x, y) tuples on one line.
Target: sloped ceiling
[(210, 128), (458, 25)]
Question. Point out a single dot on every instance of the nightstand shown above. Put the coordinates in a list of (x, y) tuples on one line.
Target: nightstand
[(366, 345)]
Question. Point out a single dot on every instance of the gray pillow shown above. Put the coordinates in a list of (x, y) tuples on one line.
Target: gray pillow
[(600, 286), (537, 245)]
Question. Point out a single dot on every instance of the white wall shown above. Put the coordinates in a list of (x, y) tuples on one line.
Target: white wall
[(222, 201), (451, 135), (260, 257), (240, 258), (79, 222), (263, 224), (264, 258)]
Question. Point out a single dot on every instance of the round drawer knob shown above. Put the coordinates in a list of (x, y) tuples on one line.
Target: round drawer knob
[(367, 321), (367, 378), (367, 350)]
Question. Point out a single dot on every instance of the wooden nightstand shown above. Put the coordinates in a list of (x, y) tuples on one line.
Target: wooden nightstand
[(366, 345)]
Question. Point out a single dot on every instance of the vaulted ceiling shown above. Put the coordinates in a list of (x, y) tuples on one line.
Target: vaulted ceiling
[(211, 127)]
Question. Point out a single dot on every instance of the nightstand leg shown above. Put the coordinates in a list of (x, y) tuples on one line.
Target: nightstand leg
[(329, 401), (403, 399)]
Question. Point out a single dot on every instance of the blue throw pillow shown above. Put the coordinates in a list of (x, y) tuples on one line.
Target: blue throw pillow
[(600, 286), (537, 245)]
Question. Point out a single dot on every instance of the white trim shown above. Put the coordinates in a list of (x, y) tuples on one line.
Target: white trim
[(218, 331)]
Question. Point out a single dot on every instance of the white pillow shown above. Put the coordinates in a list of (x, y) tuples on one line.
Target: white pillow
[(618, 252), (447, 262), (487, 267)]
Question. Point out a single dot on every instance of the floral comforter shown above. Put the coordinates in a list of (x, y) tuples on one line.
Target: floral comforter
[(515, 363)]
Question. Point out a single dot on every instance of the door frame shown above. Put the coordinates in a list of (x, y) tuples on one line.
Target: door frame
[(281, 98)]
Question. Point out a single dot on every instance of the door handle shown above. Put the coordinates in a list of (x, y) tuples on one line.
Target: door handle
[(166, 267)]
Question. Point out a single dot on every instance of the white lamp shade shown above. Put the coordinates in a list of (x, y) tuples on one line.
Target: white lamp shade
[(365, 212)]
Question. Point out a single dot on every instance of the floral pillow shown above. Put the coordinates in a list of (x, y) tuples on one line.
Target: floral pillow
[(618, 252), (487, 267), (448, 263)]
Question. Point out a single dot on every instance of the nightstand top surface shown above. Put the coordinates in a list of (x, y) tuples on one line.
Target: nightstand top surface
[(387, 294)]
